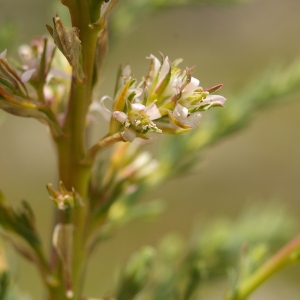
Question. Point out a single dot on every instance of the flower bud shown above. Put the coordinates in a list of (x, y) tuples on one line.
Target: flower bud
[(63, 198)]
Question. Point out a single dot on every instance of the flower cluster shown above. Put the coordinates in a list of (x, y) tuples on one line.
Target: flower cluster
[(31, 56), (168, 99), (36, 86)]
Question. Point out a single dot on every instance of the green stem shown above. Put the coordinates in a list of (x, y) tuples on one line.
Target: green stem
[(72, 145), (102, 144), (288, 255), (40, 93)]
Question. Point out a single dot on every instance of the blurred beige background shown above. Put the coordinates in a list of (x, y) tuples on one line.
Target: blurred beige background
[(228, 44)]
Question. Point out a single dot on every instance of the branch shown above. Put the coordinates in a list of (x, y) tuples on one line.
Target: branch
[(288, 255), (104, 143)]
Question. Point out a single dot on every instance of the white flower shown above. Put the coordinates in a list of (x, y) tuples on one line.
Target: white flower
[(166, 91), (142, 166), (139, 117)]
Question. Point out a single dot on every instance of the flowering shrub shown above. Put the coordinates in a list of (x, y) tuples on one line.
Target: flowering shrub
[(54, 81)]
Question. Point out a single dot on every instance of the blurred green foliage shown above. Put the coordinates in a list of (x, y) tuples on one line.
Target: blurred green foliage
[(179, 268), (7, 34), (125, 17), (177, 154), (273, 87), (8, 288)]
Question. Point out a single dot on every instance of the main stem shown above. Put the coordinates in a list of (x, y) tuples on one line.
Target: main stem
[(74, 172)]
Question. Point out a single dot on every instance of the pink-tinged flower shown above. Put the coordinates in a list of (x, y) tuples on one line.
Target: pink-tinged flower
[(179, 94), (168, 94), (167, 83), (213, 100), (32, 56), (127, 89), (142, 166)]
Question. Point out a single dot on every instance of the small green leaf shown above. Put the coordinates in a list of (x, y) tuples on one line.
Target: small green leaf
[(20, 222)]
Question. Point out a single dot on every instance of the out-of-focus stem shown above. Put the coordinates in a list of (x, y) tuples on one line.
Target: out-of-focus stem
[(288, 255), (40, 94)]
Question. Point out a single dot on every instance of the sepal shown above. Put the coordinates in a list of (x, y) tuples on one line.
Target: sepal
[(106, 7), (214, 88)]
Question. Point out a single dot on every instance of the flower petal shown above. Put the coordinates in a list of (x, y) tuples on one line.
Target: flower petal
[(180, 111), (155, 66), (192, 85), (126, 72), (183, 119), (214, 100), (3, 54), (193, 119), (138, 106), (164, 70), (57, 73), (120, 116), (106, 113), (152, 112), (99, 106), (26, 76), (25, 52), (129, 135)]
